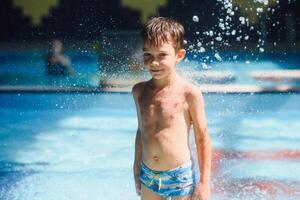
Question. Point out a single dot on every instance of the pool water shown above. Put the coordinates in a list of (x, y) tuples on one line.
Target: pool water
[(28, 67), (81, 146)]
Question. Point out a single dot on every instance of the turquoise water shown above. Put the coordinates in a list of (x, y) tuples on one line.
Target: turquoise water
[(28, 68), (81, 146)]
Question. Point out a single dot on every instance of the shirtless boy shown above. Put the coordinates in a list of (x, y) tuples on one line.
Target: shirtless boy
[(167, 106)]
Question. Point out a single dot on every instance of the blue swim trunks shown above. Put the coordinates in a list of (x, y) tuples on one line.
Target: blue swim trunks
[(180, 181)]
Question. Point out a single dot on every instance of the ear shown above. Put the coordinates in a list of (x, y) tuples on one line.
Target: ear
[(180, 55)]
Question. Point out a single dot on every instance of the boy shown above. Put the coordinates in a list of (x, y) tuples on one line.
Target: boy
[(167, 106)]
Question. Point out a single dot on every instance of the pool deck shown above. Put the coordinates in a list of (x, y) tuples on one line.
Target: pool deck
[(280, 81), (276, 75)]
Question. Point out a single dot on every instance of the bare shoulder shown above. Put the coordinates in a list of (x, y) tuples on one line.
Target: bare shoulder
[(192, 93), (138, 88)]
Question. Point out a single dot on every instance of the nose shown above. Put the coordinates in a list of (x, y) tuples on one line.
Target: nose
[(154, 63)]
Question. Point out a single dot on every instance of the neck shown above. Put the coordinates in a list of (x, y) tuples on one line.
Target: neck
[(169, 80)]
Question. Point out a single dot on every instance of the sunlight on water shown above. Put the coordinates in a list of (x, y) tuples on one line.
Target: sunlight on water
[(87, 152)]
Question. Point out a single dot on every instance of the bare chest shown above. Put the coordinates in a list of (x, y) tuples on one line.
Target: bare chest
[(164, 107)]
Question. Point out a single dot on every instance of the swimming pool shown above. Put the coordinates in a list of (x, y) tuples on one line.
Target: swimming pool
[(19, 68), (80, 146)]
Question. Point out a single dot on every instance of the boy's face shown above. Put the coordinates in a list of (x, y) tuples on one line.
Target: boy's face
[(161, 60)]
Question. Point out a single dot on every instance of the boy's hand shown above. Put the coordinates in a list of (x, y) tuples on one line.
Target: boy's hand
[(202, 192), (138, 188)]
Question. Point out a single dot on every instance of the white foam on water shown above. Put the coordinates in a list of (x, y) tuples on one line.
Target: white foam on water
[(70, 186), (103, 122)]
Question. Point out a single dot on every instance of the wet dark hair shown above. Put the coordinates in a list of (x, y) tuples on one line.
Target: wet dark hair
[(161, 29)]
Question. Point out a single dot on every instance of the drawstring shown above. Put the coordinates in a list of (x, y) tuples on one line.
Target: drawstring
[(159, 180)]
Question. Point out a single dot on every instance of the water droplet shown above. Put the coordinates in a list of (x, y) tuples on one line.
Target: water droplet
[(222, 26), (242, 20), (205, 66), (261, 50), (201, 50), (265, 2), (219, 38), (218, 57), (259, 10), (195, 18)]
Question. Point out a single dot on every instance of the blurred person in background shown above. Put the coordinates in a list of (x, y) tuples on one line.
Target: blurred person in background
[(57, 63)]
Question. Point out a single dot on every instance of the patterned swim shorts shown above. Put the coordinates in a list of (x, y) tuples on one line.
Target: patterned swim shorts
[(180, 181)]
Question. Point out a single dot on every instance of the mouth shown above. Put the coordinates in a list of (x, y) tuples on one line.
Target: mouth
[(155, 70)]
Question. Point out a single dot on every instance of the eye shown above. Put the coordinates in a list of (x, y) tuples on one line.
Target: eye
[(162, 55), (147, 57), (146, 54)]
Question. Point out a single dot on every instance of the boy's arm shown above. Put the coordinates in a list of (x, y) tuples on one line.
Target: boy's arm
[(202, 139), (138, 144), (137, 161)]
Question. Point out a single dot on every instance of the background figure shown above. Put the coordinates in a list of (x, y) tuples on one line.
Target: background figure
[(58, 64)]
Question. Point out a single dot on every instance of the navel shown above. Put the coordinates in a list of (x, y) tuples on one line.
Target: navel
[(155, 158)]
